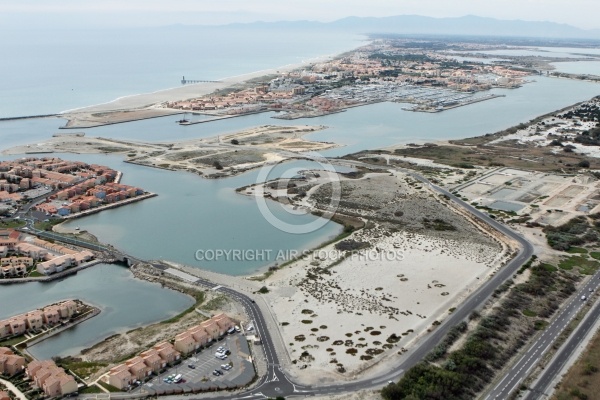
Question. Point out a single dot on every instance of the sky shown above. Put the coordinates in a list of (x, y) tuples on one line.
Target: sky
[(30, 14)]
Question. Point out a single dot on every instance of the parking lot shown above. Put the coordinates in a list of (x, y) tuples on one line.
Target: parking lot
[(197, 370)]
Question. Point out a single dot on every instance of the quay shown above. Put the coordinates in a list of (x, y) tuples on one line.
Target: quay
[(186, 81), (109, 206)]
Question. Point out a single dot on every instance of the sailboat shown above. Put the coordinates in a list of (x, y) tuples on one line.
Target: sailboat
[(184, 120)]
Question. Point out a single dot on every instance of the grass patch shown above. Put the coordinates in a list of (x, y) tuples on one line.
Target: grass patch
[(12, 341), (91, 389), (8, 224), (529, 313), (35, 274), (577, 250), (549, 267), (79, 367), (584, 264), (108, 387), (595, 255)]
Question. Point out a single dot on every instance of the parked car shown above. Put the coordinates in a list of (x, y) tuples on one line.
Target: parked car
[(192, 366), (226, 367), (237, 328), (230, 330)]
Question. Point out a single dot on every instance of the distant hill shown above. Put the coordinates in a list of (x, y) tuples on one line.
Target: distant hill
[(415, 24)]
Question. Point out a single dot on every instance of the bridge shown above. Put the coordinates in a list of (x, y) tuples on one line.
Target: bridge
[(186, 81), (107, 251)]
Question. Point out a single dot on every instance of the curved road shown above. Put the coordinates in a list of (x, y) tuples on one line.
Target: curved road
[(276, 383)]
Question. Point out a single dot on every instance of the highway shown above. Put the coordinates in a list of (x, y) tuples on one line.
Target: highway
[(541, 387), (275, 383), (521, 369)]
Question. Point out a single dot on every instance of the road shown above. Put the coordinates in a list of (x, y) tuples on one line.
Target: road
[(276, 383), (521, 369), (542, 386)]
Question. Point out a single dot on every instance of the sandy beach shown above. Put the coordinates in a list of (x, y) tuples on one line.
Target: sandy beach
[(153, 99)]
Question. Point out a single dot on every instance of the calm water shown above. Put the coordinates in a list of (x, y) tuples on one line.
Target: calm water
[(49, 72), (192, 213), (124, 302), (579, 67), (546, 52)]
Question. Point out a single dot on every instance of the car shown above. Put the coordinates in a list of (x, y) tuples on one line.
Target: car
[(237, 328), (220, 348), (591, 290), (231, 330), (250, 328), (222, 357), (216, 373), (226, 367), (192, 366)]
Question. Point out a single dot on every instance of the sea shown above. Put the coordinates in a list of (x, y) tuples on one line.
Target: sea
[(49, 72)]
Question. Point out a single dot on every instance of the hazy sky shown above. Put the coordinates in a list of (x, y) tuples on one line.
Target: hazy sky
[(102, 13)]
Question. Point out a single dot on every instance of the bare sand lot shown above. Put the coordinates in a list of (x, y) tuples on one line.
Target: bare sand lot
[(349, 306)]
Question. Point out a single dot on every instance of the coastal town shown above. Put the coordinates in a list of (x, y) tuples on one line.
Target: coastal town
[(381, 71), (464, 252)]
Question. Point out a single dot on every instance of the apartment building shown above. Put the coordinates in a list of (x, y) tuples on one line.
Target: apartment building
[(10, 363), (142, 366), (199, 335), (53, 380), (36, 319)]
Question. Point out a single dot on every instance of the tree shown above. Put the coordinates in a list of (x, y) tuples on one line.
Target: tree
[(217, 165), (584, 164)]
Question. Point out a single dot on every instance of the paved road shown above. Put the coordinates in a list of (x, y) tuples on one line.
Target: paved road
[(521, 369), (276, 383), (542, 386)]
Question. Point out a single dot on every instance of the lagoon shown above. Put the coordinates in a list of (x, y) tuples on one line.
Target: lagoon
[(125, 303)]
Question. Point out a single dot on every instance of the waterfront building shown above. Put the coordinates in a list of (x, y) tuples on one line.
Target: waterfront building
[(36, 319), (10, 363), (119, 377), (53, 380)]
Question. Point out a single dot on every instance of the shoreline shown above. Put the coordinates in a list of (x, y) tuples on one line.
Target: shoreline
[(149, 99)]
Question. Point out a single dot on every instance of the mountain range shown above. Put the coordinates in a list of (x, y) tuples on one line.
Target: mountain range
[(414, 24)]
